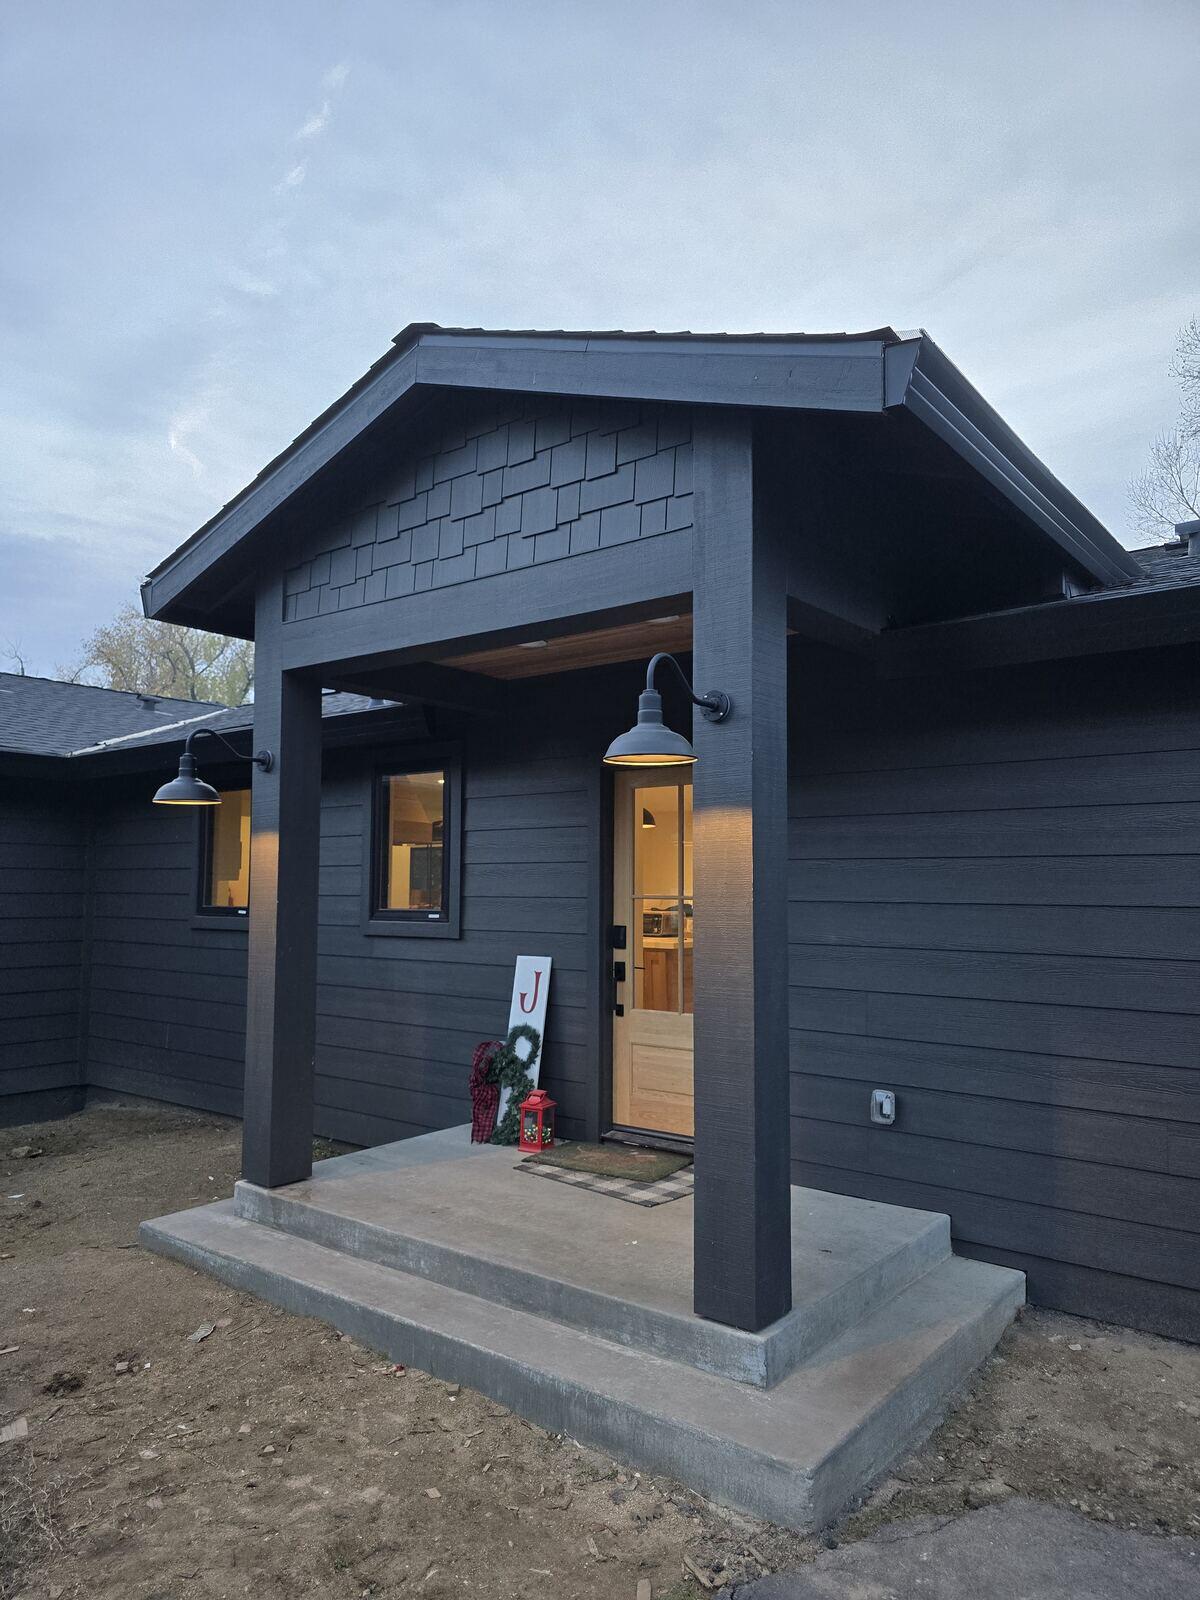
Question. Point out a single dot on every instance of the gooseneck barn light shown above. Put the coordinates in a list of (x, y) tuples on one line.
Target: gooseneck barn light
[(649, 743), (189, 789)]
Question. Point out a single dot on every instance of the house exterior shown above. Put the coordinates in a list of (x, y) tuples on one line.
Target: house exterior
[(943, 845)]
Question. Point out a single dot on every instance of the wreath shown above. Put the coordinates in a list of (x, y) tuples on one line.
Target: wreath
[(510, 1070)]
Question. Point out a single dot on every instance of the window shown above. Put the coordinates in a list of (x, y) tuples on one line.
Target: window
[(225, 855), (412, 826)]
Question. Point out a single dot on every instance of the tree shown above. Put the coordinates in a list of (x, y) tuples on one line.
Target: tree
[(133, 652), (14, 654), (1169, 490)]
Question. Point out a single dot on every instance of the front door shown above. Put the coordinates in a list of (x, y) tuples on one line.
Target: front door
[(652, 898)]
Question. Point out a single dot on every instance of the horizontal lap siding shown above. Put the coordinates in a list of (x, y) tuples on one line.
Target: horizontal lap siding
[(166, 999), (397, 1018), (43, 856), (995, 911)]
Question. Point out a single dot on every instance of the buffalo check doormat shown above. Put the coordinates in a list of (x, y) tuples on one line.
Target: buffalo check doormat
[(638, 1192)]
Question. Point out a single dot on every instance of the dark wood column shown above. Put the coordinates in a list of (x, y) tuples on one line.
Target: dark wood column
[(282, 979), (743, 1203)]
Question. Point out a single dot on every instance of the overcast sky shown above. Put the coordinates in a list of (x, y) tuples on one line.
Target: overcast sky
[(215, 216)]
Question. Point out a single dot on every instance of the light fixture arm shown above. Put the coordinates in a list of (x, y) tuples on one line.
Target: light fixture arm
[(260, 758), (715, 706)]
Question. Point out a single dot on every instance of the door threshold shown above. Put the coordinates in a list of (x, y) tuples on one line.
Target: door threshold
[(678, 1143)]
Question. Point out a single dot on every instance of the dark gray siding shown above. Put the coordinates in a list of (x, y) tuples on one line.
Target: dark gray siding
[(398, 1018), (42, 901), (167, 998), (995, 910), (499, 482)]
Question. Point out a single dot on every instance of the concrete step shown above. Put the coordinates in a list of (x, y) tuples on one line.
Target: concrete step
[(440, 1209), (796, 1455)]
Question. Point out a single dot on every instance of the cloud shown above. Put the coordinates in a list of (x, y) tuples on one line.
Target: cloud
[(179, 430), (193, 423), (317, 123), (293, 178), (314, 125), (332, 83), (249, 283)]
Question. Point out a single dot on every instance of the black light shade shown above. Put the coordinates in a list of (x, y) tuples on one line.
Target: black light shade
[(650, 743), (187, 789)]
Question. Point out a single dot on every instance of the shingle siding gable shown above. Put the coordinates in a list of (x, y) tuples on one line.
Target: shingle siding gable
[(507, 484)]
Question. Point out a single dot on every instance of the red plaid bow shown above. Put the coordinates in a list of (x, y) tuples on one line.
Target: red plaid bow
[(485, 1096)]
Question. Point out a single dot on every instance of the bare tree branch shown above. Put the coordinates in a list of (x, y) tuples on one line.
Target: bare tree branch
[(1169, 490), (15, 656)]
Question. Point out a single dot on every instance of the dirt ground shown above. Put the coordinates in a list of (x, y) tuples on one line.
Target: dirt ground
[(274, 1458)]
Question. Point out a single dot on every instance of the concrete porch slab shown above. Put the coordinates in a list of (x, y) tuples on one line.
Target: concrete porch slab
[(796, 1454), (460, 1215)]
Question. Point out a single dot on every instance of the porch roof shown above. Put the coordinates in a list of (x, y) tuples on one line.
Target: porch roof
[(206, 581)]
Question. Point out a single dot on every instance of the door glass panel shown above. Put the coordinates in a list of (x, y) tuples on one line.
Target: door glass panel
[(687, 920), (687, 958), (656, 841), (687, 838), (656, 958), (662, 906)]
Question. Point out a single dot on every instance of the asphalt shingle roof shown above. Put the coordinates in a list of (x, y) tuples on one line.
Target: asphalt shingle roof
[(225, 720), (1167, 566), (43, 717)]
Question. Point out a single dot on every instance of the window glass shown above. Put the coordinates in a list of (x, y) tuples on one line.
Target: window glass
[(225, 881), (412, 834)]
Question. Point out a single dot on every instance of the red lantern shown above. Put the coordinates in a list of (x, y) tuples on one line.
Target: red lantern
[(537, 1121)]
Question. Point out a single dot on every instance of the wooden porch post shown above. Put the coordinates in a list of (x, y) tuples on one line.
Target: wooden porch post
[(284, 847), (742, 1272)]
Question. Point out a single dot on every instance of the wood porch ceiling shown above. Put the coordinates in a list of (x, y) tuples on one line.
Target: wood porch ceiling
[(602, 647)]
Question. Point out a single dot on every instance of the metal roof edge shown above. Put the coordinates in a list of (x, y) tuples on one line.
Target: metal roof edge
[(923, 379)]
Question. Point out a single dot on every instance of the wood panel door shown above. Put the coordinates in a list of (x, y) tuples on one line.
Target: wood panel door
[(652, 898)]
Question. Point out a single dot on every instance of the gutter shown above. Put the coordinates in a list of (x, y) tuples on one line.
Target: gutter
[(920, 377)]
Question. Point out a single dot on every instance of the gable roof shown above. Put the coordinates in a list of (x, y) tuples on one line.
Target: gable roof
[(865, 373), (44, 716)]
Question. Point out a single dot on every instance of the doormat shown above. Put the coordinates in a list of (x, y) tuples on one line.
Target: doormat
[(614, 1160), (642, 1177)]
